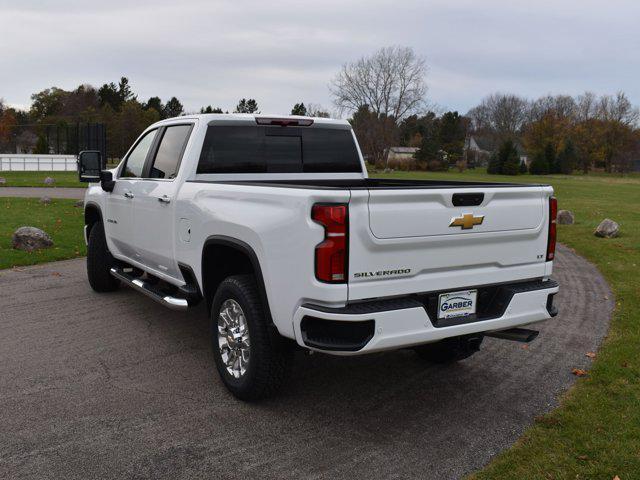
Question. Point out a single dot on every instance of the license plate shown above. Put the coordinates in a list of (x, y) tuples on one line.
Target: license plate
[(457, 304)]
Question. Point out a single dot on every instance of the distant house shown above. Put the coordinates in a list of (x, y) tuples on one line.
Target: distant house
[(397, 157), (522, 153), (477, 151)]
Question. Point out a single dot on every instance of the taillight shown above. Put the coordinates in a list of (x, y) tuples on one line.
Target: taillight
[(553, 216), (331, 253)]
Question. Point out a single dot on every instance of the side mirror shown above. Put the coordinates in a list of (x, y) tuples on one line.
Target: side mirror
[(106, 181), (89, 165)]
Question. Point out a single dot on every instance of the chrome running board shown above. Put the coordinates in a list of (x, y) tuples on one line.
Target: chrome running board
[(174, 303)]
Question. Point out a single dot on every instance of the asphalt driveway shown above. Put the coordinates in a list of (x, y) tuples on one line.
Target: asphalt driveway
[(115, 386), (73, 193)]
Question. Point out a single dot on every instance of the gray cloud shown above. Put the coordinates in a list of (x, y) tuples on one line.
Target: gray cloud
[(282, 52)]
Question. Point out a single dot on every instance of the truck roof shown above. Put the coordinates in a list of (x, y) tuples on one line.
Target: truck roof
[(251, 117)]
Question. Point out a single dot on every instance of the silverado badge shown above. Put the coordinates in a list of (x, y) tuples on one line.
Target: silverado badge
[(466, 221)]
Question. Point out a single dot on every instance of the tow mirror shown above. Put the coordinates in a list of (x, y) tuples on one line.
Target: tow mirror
[(89, 165)]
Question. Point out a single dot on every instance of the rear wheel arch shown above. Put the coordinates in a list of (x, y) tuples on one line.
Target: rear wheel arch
[(223, 257)]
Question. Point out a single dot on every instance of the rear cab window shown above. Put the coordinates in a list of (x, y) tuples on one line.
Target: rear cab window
[(276, 149), (170, 150)]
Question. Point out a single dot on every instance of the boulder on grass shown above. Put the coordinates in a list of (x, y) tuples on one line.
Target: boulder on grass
[(607, 229), (30, 239), (49, 181), (3, 181), (45, 200), (565, 217)]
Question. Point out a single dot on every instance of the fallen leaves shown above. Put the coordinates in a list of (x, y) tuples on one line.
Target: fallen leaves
[(590, 354), (579, 372)]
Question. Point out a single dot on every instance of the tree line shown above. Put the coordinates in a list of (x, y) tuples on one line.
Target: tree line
[(385, 96), (114, 104)]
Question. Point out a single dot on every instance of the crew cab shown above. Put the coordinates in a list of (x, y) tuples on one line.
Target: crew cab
[(274, 223)]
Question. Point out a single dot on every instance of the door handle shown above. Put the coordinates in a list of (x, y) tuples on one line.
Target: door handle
[(128, 195), (164, 199)]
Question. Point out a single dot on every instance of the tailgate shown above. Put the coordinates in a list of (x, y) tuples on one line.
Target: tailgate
[(421, 213), (432, 239)]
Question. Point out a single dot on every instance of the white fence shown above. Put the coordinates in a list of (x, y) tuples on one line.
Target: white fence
[(34, 163)]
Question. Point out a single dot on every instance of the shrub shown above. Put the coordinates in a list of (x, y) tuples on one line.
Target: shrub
[(494, 164), (523, 168), (461, 165), (437, 166)]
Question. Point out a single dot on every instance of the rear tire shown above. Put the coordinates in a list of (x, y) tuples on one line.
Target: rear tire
[(100, 261), (450, 350), (257, 363)]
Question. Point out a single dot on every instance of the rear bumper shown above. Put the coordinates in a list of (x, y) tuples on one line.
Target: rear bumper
[(403, 322)]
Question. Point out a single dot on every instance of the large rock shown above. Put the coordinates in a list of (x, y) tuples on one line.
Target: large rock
[(3, 181), (49, 181), (607, 229), (30, 239), (565, 217), (45, 200)]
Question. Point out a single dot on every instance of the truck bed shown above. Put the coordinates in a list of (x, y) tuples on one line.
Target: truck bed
[(371, 184)]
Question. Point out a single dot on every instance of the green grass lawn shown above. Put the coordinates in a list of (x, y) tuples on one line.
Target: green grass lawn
[(61, 220), (36, 179), (595, 433)]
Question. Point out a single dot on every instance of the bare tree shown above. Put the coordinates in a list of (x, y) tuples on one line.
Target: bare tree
[(317, 110), (586, 108), (501, 116), (391, 82), (619, 109)]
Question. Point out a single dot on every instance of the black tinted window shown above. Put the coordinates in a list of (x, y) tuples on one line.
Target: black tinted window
[(240, 149), (170, 150)]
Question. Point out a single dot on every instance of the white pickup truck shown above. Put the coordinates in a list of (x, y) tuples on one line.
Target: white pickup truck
[(273, 223)]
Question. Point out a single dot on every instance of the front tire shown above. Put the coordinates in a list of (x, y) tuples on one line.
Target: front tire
[(100, 261), (450, 350), (253, 360)]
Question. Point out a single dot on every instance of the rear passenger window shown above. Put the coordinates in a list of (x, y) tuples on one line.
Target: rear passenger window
[(170, 151), (257, 149)]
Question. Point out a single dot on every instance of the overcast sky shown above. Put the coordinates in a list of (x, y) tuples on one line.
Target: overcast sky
[(282, 52)]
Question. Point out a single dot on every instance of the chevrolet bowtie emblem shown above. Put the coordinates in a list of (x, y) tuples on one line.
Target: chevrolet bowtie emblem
[(466, 221)]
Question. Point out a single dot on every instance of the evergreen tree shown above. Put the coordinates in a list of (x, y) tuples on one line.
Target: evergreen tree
[(247, 106), (567, 158), (506, 161), (430, 145), (210, 109), (539, 164), (550, 158), (299, 109), (173, 108), (108, 94), (124, 90), (509, 158), (156, 104)]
